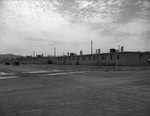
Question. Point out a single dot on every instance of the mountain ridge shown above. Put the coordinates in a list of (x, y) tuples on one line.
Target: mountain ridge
[(8, 56)]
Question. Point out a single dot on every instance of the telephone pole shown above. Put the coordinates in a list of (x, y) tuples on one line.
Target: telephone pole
[(117, 56), (91, 47), (99, 62), (55, 51), (33, 53)]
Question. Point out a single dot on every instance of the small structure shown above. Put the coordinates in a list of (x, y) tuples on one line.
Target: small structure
[(112, 50)]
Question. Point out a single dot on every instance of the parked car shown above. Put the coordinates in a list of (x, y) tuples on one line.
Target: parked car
[(16, 63), (7, 63)]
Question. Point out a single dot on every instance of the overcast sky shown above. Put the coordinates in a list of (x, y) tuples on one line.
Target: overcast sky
[(70, 25)]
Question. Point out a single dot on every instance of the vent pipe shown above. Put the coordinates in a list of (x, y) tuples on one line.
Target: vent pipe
[(122, 49)]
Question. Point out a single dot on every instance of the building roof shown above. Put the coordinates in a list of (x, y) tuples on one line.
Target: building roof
[(126, 52)]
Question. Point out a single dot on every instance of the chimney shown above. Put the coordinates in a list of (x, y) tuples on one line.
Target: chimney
[(96, 51), (55, 51), (81, 52), (99, 51), (119, 48), (122, 49), (68, 53)]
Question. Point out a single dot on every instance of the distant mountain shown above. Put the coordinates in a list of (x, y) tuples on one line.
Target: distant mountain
[(8, 56)]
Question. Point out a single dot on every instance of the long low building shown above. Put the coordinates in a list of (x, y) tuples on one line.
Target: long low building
[(103, 59), (107, 59)]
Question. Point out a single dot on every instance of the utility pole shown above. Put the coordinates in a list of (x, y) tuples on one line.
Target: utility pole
[(33, 53), (55, 51), (117, 57), (116, 60), (99, 58), (119, 48), (91, 47)]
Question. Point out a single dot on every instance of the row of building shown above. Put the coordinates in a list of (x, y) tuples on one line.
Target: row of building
[(112, 58), (107, 59)]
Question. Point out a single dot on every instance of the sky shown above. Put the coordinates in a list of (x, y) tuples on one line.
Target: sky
[(70, 26)]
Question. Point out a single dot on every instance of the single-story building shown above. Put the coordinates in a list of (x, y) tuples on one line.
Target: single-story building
[(107, 59)]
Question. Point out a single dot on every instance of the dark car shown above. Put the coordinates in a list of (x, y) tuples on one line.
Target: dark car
[(7, 63), (16, 63)]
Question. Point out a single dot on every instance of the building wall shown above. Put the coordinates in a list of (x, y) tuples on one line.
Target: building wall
[(38, 60), (137, 58), (104, 59), (123, 59)]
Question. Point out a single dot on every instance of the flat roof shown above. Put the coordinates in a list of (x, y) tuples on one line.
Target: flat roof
[(127, 52)]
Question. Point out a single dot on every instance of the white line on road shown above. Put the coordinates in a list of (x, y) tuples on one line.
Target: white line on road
[(3, 73), (41, 71), (67, 73), (8, 77)]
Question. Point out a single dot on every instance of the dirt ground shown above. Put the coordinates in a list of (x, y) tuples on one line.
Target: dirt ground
[(42, 90)]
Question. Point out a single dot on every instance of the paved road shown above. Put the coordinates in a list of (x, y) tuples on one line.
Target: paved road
[(93, 93)]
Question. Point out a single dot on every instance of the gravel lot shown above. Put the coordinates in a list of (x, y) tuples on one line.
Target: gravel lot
[(91, 92)]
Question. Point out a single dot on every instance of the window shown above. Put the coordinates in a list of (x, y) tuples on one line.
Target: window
[(140, 56), (78, 58), (118, 57), (103, 57), (89, 57), (83, 57), (93, 57), (111, 56)]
